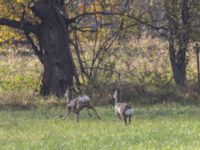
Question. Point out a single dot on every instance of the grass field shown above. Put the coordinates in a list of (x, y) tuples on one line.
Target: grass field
[(171, 126)]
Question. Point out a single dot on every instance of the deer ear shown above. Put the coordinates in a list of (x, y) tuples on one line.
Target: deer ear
[(115, 94), (67, 90)]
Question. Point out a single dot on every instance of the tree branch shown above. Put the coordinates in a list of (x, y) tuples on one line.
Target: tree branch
[(78, 55), (38, 53), (140, 21), (25, 26), (72, 20)]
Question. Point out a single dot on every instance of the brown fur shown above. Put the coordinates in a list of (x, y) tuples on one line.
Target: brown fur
[(76, 105), (121, 108)]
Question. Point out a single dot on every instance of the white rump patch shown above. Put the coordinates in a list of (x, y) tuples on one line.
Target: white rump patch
[(129, 111), (84, 98)]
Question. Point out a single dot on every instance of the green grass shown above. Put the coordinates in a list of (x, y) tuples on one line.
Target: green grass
[(153, 127)]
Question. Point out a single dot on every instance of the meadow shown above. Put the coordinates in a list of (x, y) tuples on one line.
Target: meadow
[(165, 117), (169, 126)]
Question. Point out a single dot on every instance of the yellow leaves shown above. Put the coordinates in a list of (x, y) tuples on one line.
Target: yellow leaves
[(19, 1), (8, 35), (5, 33), (3, 9), (90, 7), (22, 1), (97, 7), (10, 10)]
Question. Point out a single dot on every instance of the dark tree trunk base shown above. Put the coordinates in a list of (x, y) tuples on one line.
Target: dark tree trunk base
[(57, 59)]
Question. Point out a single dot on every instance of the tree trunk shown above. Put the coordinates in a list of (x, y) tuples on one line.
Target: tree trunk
[(178, 64), (178, 43), (57, 59)]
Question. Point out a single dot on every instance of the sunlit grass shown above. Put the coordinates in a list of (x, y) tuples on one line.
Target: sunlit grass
[(155, 127)]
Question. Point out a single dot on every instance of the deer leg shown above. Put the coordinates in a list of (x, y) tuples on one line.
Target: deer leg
[(77, 115), (89, 114), (125, 119), (66, 114), (129, 119), (118, 115), (92, 107)]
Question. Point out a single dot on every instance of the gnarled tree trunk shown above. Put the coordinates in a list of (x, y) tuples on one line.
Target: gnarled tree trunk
[(55, 53), (57, 61), (54, 43)]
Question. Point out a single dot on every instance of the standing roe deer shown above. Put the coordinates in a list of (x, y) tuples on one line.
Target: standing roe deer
[(122, 110)]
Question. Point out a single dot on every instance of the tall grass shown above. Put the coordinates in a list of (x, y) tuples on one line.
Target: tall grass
[(157, 127)]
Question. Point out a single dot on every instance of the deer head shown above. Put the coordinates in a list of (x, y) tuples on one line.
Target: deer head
[(116, 95), (68, 94)]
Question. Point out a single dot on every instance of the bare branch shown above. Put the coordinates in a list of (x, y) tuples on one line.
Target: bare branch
[(89, 14), (78, 55), (139, 20), (105, 69)]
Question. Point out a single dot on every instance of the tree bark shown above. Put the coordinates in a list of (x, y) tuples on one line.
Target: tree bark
[(53, 38), (178, 43), (58, 70), (178, 64)]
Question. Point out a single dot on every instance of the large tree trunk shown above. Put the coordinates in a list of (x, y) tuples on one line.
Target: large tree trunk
[(178, 43), (58, 68), (178, 64), (56, 56)]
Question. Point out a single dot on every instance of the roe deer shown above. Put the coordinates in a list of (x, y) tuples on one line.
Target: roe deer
[(78, 104), (123, 110)]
